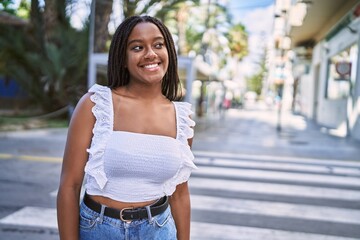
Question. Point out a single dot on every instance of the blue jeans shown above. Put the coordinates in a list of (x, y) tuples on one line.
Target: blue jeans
[(96, 226)]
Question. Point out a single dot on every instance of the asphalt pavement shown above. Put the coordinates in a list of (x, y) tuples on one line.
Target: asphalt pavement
[(253, 182), (256, 131)]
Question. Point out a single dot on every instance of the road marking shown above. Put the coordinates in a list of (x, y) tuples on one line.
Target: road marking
[(30, 158), (274, 188), (211, 231), (283, 166), (46, 217), (277, 175), (54, 193), (40, 158), (212, 154), (32, 216), (5, 156), (276, 209)]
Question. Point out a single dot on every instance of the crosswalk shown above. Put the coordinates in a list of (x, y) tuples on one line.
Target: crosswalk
[(238, 197), (266, 197)]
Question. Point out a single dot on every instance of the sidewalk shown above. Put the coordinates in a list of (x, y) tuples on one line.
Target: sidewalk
[(255, 132), (237, 132)]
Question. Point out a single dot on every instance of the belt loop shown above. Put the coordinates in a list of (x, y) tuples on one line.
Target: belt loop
[(150, 217), (101, 217)]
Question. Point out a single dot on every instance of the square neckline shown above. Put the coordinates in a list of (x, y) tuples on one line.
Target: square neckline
[(138, 133)]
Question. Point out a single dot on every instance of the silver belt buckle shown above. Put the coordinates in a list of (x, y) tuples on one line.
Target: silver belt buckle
[(121, 214)]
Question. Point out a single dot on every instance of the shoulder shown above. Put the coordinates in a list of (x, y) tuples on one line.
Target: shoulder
[(101, 96), (184, 109), (185, 123), (84, 107), (85, 101), (183, 106), (96, 88), (96, 94)]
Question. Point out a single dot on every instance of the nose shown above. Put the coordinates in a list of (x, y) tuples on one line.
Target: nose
[(150, 54)]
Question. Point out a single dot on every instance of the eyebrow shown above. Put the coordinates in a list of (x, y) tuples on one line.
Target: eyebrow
[(139, 40)]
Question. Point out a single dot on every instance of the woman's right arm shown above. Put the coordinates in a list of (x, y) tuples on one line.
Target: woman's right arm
[(72, 173)]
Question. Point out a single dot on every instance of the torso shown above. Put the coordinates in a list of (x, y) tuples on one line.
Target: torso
[(119, 205), (133, 114)]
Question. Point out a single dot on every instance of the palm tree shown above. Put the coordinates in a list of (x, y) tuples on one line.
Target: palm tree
[(54, 16), (48, 62), (238, 41), (129, 7), (103, 10)]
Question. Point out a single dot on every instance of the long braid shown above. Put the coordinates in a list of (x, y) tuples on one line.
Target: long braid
[(118, 74)]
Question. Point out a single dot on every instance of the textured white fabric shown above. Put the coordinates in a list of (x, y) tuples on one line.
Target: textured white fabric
[(135, 167)]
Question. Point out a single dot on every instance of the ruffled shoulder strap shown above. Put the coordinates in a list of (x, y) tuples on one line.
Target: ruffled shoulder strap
[(103, 112), (184, 123)]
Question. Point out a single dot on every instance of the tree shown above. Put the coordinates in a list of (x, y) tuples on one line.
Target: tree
[(7, 6), (49, 63), (129, 7), (54, 17), (255, 82), (238, 41), (103, 10)]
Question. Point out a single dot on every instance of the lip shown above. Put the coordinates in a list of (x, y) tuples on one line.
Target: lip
[(151, 66)]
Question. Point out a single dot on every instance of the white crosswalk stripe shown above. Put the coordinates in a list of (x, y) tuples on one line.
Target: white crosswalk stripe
[(273, 188), (276, 209), (286, 166), (32, 216), (210, 231), (282, 176), (259, 190), (237, 197)]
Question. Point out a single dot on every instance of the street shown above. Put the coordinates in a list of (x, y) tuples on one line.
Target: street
[(252, 183)]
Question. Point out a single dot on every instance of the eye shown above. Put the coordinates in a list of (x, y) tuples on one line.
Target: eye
[(159, 45), (137, 48)]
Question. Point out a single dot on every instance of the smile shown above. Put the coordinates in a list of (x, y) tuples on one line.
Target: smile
[(150, 66)]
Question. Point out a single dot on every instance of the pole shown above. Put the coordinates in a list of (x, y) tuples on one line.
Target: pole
[(91, 66)]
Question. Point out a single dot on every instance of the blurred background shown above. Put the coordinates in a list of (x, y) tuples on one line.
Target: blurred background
[(275, 90), (291, 55)]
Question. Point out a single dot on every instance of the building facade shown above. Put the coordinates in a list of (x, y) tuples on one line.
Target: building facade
[(318, 44)]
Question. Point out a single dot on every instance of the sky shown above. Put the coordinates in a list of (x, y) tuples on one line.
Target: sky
[(257, 16)]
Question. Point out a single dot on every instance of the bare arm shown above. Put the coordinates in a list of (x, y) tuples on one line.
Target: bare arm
[(72, 174), (180, 209)]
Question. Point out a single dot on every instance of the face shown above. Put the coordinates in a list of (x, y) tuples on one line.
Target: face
[(147, 58)]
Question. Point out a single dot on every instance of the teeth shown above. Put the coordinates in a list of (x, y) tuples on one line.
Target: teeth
[(150, 66)]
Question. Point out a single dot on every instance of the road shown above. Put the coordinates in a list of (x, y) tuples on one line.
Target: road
[(252, 183)]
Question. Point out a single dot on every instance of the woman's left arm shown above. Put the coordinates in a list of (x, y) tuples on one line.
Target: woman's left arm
[(180, 209)]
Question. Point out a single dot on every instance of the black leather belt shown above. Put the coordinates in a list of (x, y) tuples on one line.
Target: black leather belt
[(128, 214)]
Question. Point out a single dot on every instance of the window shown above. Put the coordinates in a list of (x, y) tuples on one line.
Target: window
[(342, 73)]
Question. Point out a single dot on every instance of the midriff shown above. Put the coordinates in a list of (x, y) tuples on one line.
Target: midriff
[(120, 205)]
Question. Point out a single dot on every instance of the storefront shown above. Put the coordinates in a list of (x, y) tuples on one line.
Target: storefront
[(328, 78)]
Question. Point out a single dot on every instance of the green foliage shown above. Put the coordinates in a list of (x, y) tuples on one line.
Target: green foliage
[(209, 18), (24, 9), (166, 7), (238, 41), (255, 82), (7, 6), (52, 72)]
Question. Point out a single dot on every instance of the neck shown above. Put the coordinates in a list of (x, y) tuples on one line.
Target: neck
[(144, 91)]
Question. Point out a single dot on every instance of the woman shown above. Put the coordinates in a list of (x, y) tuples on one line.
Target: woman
[(131, 140)]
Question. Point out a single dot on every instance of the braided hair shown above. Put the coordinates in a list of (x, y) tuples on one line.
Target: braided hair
[(118, 74)]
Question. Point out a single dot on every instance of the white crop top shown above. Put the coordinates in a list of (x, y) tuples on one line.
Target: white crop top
[(136, 167)]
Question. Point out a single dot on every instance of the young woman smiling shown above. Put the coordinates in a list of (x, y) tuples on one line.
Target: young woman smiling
[(130, 142)]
